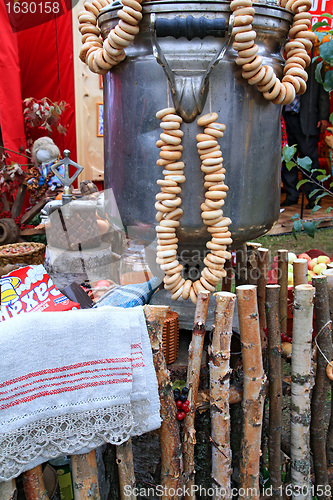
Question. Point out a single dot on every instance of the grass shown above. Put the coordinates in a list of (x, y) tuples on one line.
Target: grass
[(323, 240)]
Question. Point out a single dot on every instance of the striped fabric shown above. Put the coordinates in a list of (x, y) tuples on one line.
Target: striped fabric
[(130, 295)]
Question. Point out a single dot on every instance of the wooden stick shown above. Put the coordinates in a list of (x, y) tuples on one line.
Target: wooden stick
[(300, 271), (322, 384), (261, 292), (254, 389), (33, 484), (193, 376), (300, 391), (275, 389), (283, 282), (252, 263), (84, 474), (227, 280), (124, 460), (329, 440), (8, 490), (219, 393), (241, 266), (169, 433)]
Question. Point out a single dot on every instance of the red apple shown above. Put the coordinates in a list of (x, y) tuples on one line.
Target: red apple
[(312, 263)]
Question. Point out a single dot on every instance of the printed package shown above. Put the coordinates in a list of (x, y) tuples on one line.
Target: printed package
[(30, 289)]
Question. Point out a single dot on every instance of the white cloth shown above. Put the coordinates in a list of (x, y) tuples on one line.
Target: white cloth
[(70, 382)]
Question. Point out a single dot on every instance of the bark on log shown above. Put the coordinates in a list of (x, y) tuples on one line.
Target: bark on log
[(283, 282), (275, 389), (84, 473), (227, 280), (192, 383), (254, 390), (261, 292), (241, 266), (329, 440), (8, 490), (171, 478), (219, 394), (252, 263), (322, 384), (33, 484), (300, 272), (301, 382), (124, 460)]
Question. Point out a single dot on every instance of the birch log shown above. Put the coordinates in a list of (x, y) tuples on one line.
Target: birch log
[(301, 381), (322, 385), (124, 460), (329, 440), (261, 292), (8, 490), (275, 389), (33, 484), (219, 365), (300, 272), (283, 282), (171, 479), (84, 473), (193, 377), (254, 391)]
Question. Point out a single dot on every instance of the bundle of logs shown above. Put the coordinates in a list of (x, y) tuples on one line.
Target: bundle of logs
[(262, 315)]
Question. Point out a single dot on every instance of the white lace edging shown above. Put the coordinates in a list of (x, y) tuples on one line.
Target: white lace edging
[(47, 438)]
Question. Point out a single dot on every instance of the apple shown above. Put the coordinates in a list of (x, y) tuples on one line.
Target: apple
[(319, 268), (290, 279), (312, 263), (304, 256), (291, 257), (323, 259)]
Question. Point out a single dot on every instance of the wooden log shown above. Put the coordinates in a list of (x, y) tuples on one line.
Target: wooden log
[(192, 382), (227, 280), (124, 454), (275, 389), (171, 478), (261, 293), (283, 282), (241, 266), (33, 484), (322, 385), (254, 390), (329, 440), (300, 271), (8, 490), (84, 474), (219, 394), (252, 263), (301, 382)]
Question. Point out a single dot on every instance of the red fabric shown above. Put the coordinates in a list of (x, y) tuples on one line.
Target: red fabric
[(11, 118), (46, 59)]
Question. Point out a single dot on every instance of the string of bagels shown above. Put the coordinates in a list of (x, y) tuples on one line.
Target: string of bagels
[(101, 56)]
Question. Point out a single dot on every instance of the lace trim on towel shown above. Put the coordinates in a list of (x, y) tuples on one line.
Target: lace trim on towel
[(65, 435)]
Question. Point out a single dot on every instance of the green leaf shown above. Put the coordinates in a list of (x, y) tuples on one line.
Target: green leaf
[(318, 72), (298, 225), (328, 82), (315, 191), (300, 183), (321, 170), (331, 117), (288, 152), (326, 51), (315, 209), (319, 24), (295, 217), (319, 197), (323, 178), (327, 211), (310, 228), (305, 163), (290, 165)]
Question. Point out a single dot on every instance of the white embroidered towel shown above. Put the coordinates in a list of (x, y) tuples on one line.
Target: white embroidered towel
[(71, 381)]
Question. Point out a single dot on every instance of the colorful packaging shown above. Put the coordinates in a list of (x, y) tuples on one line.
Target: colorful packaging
[(30, 289)]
